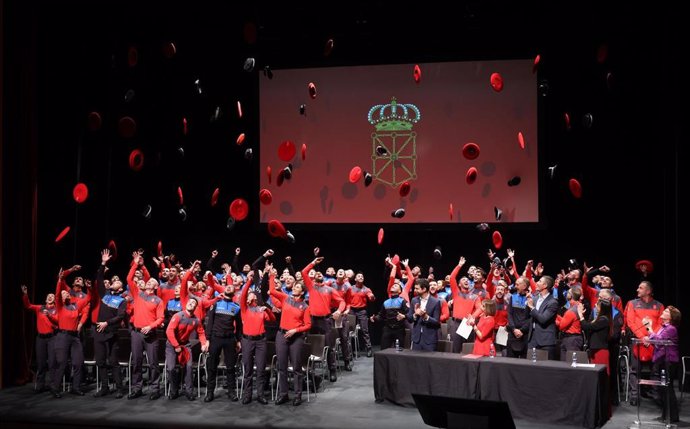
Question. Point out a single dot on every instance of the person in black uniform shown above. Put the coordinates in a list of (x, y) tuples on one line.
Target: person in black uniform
[(111, 312), (223, 326), (393, 313)]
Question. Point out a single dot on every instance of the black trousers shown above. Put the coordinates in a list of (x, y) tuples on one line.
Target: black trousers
[(229, 348), (344, 335), (661, 392), (141, 342), (171, 369), (68, 347), (105, 353), (390, 335), (253, 354), (292, 348), (457, 340), (363, 322), (45, 361)]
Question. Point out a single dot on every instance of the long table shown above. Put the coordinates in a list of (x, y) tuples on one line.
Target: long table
[(545, 391)]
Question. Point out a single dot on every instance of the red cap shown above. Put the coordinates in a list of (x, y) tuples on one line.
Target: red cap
[(240, 139), (160, 248), (62, 234), (537, 59), (417, 74), (214, 197), (498, 240), (380, 236), (566, 116), (470, 151), (496, 82), (471, 175), (276, 229), (169, 50), (126, 127), (286, 151), (80, 192), (136, 160), (95, 121), (239, 209), (650, 266), (183, 356), (395, 260), (265, 197), (312, 90), (450, 211), (239, 109), (404, 189), (355, 174), (132, 56), (521, 140), (575, 188), (185, 128), (268, 173), (113, 249), (304, 151), (179, 194)]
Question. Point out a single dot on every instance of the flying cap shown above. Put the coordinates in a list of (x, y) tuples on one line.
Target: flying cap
[(302, 109), (312, 90), (249, 154), (368, 178), (185, 128), (183, 213), (113, 249), (470, 151), (126, 127), (276, 229), (650, 266), (404, 189), (450, 211), (95, 121), (136, 160), (552, 170), (239, 109), (230, 224), (268, 173), (214, 197), (290, 237), (268, 72), (169, 50), (471, 175), (575, 188), (566, 117), (587, 120), (514, 181), (496, 82), (395, 260), (239, 209), (249, 64), (240, 139), (437, 252), (147, 212), (355, 174), (537, 59), (497, 239), (381, 150), (417, 74), (265, 197), (380, 236), (80, 192), (521, 140), (304, 151), (498, 213), (483, 227), (281, 178), (160, 248), (62, 234), (328, 48), (286, 151), (179, 194), (287, 172), (129, 95), (398, 213)]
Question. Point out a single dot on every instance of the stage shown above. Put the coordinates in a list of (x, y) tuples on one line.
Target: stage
[(347, 403)]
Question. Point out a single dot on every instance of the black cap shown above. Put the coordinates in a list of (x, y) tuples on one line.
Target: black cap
[(398, 213), (249, 64)]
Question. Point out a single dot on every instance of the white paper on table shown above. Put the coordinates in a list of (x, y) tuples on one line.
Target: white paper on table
[(584, 365), (502, 336), (464, 330), (339, 322)]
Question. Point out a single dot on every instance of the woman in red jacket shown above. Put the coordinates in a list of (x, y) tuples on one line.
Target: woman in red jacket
[(484, 329)]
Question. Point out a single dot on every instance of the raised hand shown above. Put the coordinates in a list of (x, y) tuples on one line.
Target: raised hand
[(288, 259), (316, 251), (214, 253), (405, 262), (317, 260), (268, 253), (105, 256), (462, 261), (511, 253), (25, 290), (237, 251)]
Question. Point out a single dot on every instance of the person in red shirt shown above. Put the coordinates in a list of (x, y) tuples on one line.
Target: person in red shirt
[(46, 322), (466, 304), (345, 290), (484, 329), (179, 329), (295, 321), (358, 306), (71, 318), (147, 316), (501, 317), (569, 324), (254, 345), (325, 306)]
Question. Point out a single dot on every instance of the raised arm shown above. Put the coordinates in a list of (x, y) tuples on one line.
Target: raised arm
[(455, 289)]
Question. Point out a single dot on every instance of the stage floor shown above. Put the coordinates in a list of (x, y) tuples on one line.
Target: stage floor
[(347, 403)]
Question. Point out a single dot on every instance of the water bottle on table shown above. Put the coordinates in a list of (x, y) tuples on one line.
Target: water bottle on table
[(574, 364), (534, 355), (397, 345), (663, 377), (492, 350)]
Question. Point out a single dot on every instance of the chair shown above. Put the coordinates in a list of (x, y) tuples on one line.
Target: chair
[(444, 331), (623, 373), (353, 335), (407, 343), (444, 346), (686, 367), (544, 355), (467, 348), (319, 352)]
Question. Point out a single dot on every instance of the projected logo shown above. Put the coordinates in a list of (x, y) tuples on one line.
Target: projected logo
[(394, 144)]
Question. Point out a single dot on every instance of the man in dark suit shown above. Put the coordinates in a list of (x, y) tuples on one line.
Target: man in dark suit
[(542, 332), (424, 314)]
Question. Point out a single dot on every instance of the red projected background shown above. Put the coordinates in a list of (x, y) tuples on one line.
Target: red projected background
[(379, 119)]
